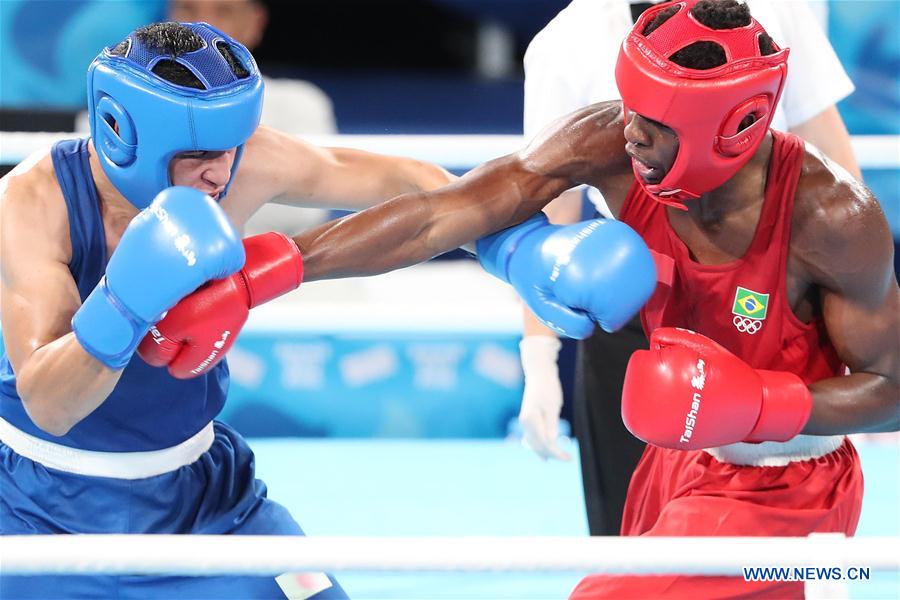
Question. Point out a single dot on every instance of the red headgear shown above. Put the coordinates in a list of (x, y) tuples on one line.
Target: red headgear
[(703, 107)]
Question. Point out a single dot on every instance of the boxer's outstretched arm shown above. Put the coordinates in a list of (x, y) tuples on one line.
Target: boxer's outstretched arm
[(280, 168), (585, 146), (852, 261), (415, 227)]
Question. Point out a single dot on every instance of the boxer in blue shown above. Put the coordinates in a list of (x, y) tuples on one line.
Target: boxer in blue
[(93, 439), (97, 246)]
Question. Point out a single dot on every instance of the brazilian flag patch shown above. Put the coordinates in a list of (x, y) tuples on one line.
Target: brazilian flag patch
[(748, 303)]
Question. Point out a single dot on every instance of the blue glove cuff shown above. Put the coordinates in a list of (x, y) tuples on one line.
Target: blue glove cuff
[(106, 328), (494, 251)]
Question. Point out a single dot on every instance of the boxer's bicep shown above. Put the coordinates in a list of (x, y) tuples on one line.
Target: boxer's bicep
[(854, 269), (866, 334), (861, 312), (38, 295)]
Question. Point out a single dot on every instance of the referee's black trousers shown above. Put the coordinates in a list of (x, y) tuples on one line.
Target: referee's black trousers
[(609, 453)]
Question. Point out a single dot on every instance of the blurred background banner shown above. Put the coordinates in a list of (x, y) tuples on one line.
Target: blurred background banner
[(47, 45), (864, 34), (420, 385), (426, 352)]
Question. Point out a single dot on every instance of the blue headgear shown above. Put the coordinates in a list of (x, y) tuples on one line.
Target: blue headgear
[(157, 119)]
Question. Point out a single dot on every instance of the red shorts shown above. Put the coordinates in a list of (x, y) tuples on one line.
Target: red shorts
[(677, 493)]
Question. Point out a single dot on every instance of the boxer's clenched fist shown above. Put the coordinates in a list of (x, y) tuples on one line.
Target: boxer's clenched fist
[(573, 276), (197, 333), (182, 240), (687, 392)]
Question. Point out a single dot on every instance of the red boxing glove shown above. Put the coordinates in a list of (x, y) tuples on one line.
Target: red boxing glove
[(688, 392), (198, 331)]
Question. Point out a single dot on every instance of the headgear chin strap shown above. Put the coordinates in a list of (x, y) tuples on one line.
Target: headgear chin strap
[(704, 107), (156, 119)]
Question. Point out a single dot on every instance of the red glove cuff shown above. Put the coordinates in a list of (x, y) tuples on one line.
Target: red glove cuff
[(786, 406), (273, 267)]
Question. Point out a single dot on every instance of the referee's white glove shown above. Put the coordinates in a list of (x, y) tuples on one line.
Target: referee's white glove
[(543, 397)]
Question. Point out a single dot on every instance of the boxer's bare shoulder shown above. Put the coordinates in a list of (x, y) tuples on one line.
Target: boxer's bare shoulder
[(839, 231), (276, 163), (262, 175), (33, 213)]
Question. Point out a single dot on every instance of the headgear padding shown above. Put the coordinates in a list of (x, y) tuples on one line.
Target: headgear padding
[(704, 107), (157, 119)]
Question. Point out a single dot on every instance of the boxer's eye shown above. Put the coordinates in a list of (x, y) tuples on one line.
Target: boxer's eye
[(201, 154), (661, 126)]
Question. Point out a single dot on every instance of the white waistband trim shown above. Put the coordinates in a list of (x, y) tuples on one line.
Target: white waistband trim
[(777, 454), (119, 465)]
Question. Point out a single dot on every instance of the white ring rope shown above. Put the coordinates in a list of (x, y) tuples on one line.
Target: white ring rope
[(451, 151), (273, 555)]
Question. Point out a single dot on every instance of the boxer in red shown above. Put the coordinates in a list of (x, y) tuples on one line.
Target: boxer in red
[(775, 275), (744, 263)]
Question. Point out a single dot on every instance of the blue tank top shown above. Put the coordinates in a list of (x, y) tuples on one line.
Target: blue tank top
[(148, 409)]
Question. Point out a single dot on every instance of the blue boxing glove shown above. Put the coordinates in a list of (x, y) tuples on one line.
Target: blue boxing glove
[(179, 242), (575, 275)]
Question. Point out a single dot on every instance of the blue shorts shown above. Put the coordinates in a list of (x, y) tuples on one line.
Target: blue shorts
[(216, 494)]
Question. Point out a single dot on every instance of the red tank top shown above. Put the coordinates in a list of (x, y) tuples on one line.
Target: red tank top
[(742, 304)]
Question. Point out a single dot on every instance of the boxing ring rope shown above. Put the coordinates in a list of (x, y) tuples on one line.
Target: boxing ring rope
[(451, 151), (273, 555)]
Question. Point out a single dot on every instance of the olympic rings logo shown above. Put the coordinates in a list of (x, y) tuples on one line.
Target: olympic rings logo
[(745, 325)]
